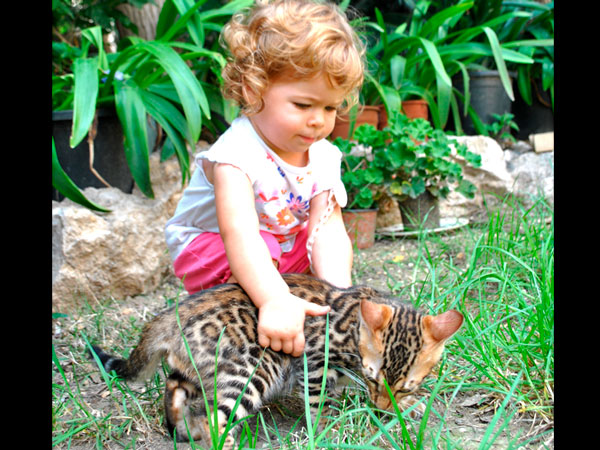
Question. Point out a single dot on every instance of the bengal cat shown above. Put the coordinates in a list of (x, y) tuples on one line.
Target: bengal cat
[(375, 337)]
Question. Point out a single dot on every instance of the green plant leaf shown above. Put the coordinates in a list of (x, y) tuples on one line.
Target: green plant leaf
[(396, 188), (390, 96), (226, 10), (436, 60), (63, 184), (132, 114), (190, 18), (94, 35), (373, 175), (364, 199), (500, 64), (438, 19), (195, 20), (417, 186), (443, 82), (85, 71), (188, 87), (173, 122), (466, 188), (397, 66), (166, 19)]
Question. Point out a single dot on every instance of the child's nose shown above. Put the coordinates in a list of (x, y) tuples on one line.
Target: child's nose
[(317, 118)]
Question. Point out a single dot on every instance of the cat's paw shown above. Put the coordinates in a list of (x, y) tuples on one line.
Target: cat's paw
[(407, 402)]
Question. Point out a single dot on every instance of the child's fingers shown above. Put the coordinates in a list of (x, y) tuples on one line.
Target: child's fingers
[(263, 340), (299, 341), (276, 344), (287, 346), (312, 309)]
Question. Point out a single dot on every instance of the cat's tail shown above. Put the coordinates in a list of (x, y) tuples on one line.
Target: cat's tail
[(140, 365)]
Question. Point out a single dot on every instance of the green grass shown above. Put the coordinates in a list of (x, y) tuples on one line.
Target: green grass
[(494, 387)]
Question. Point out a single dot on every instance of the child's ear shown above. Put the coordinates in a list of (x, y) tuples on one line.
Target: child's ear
[(251, 97)]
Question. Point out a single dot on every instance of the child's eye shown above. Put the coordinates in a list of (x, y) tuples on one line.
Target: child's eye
[(302, 105), (330, 108)]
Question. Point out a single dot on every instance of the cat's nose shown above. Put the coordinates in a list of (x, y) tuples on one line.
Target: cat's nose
[(383, 402)]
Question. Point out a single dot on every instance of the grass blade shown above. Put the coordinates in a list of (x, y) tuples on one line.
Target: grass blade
[(492, 425)]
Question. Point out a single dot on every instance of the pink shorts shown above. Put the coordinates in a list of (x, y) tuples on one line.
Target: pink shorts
[(203, 263)]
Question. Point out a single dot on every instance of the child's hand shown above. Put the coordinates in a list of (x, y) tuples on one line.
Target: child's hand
[(281, 323)]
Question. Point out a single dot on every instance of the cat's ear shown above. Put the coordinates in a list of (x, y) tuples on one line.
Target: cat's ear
[(443, 326), (375, 315), (373, 318)]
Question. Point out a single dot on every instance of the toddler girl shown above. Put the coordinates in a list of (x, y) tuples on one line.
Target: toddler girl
[(260, 193)]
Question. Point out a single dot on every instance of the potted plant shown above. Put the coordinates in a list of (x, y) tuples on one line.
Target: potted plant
[(485, 82), (413, 161), (362, 182), (405, 64), (165, 79), (418, 59), (534, 106)]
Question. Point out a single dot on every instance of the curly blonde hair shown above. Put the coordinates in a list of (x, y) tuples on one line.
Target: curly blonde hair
[(297, 37)]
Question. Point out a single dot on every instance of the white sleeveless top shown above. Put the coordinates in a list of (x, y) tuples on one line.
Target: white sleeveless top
[(282, 192)]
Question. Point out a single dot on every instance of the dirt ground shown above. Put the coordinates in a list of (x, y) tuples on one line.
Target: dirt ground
[(471, 411)]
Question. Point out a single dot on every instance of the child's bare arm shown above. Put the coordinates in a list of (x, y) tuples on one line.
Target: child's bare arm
[(332, 250), (281, 314)]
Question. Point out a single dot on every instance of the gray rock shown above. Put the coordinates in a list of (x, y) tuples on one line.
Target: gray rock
[(121, 253), (520, 171)]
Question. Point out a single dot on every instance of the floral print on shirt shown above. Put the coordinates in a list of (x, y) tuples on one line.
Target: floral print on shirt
[(282, 201), (296, 203)]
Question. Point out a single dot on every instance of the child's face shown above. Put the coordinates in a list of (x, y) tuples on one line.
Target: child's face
[(296, 114)]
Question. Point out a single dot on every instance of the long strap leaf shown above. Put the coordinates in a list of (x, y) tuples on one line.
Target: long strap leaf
[(94, 35), (85, 71), (132, 114), (63, 184), (437, 20), (188, 87), (190, 18), (500, 64), (172, 121), (443, 82)]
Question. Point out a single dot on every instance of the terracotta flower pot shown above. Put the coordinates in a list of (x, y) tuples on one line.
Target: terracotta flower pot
[(368, 114), (414, 109), (411, 109), (360, 225)]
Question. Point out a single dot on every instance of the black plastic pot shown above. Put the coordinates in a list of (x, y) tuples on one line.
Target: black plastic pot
[(488, 97), (109, 154), (535, 118)]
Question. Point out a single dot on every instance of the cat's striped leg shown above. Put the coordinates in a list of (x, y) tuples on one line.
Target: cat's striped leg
[(179, 394), (183, 423), (316, 402)]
